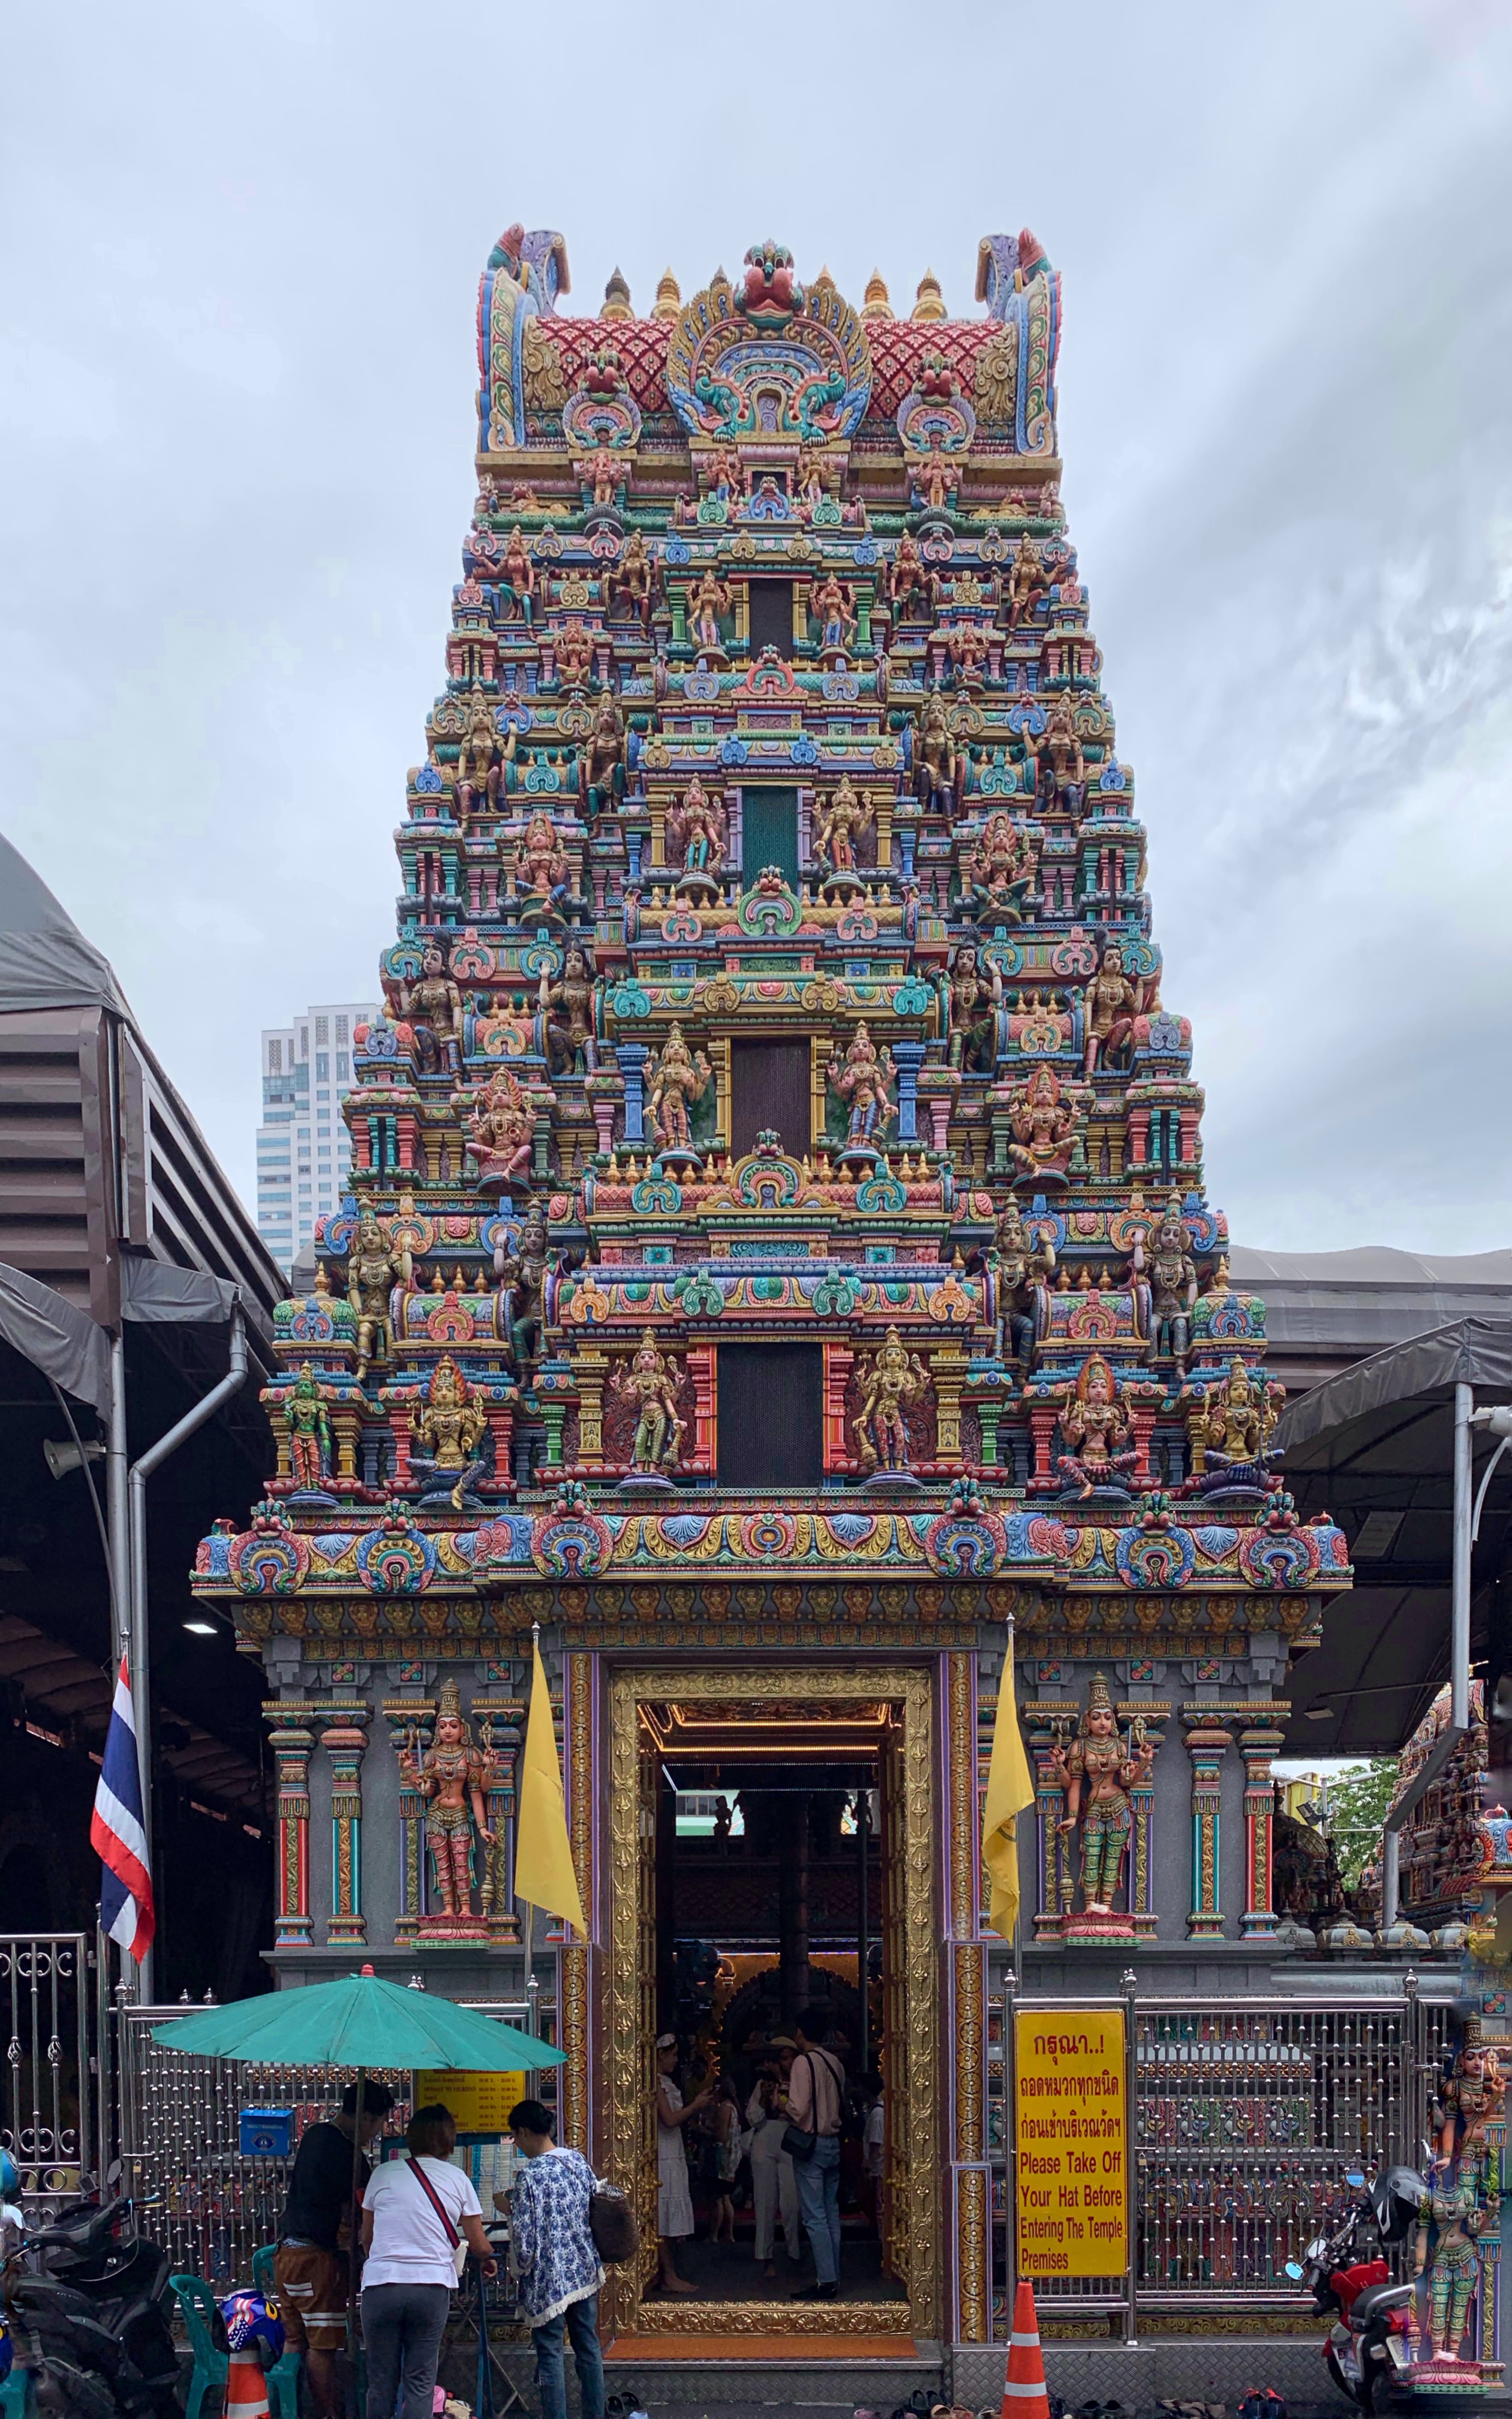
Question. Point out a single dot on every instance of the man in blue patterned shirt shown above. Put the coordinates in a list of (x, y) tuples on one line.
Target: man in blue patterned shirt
[(557, 2261)]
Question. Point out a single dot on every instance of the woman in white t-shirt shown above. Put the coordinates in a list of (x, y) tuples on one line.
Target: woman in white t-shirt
[(417, 2214)]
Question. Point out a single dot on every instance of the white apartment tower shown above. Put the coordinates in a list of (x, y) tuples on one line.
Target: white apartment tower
[(304, 1151)]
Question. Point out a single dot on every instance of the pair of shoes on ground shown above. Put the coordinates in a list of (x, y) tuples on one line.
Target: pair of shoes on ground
[(1194, 2410), (816, 2293)]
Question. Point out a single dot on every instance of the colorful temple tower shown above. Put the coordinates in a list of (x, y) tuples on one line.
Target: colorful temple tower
[(779, 1264)]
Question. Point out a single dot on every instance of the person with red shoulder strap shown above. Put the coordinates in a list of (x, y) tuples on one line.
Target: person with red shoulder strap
[(418, 2215)]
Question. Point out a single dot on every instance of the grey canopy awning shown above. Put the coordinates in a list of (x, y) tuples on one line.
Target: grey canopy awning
[(1472, 1352), (68, 1346), (45, 962)]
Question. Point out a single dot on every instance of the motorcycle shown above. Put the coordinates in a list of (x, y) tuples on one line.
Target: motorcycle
[(1367, 2349), (97, 2317)]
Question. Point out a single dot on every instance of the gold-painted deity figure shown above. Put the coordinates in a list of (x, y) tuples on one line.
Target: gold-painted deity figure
[(481, 759), (935, 477), (569, 1009), (934, 763), (861, 1080), (1043, 1118), (649, 1383), (603, 764), (308, 1423), (892, 1380), (1095, 1425), (1241, 1419), (1098, 1771), (448, 1428), (452, 1775), (1163, 1274), (843, 818), (501, 1130), (676, 1081), (1111, 1003), (432, 1006), (574, 648), (374, 1268)]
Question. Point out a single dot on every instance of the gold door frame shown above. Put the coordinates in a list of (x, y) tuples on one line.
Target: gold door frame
[(629, 2144)]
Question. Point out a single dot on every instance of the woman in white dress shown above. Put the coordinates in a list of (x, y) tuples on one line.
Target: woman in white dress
[(674, 2201)]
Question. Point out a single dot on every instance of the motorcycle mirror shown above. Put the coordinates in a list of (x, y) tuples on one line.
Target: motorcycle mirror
[(1294, 2270)]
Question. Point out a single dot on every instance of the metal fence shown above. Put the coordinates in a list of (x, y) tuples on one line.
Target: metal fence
[(1247, 2116), (46, 2098), (180, 2128)]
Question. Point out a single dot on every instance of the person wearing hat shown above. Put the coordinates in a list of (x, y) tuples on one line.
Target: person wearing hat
[(674, 2201), (774, 2177)]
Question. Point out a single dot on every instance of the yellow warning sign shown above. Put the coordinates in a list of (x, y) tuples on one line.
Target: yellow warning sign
[(1072, 2138), (479, 2101)]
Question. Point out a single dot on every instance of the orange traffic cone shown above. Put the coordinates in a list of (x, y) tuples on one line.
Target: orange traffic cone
[(246, 2388), (1024, 2396)]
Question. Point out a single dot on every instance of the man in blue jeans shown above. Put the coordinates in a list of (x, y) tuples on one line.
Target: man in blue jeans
[(557, 2261), (815, 2097)]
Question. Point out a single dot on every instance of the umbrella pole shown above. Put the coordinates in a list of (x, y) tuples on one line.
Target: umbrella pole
[(530, 2021), (353, 2249)]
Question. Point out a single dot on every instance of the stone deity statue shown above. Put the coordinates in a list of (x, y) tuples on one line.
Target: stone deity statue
[(651, 1383), (448, 1429), (1098, 1771), (676, 1081), (889, 1381), (433, 1006), (452, 1775), (309, 1426), (373, 1271), (1097, 1427)]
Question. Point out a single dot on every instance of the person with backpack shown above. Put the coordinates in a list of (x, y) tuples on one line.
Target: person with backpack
[(816, 2109), (557, 2260), (420, 2216)]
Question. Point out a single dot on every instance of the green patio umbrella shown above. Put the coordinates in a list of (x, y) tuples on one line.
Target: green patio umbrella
[(362, 2021)]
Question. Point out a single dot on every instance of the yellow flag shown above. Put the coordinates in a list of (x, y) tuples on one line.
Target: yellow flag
[(1009, 1789), (544, 1874)]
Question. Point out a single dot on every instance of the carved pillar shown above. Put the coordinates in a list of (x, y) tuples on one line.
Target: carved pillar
[(1206, 1743), (1259, 1744), (948, 1368), (1049, 1725), (291, 1742), (501, 1428), (882, 802), (839, 1360), (1140, 1876), (343, 1427), (590, 1368), (632, 1056), (1141, 1429), (574, 2029), (1042, 1420), (908, 1057), (1139, 1137), (705, 1431), (498, 1723), (966, 2128), (1487, 2321), (410, 1727), (345, 1737)]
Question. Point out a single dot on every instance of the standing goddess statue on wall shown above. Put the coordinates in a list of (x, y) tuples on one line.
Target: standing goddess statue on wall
[(1098, 1772), (452, 1775)]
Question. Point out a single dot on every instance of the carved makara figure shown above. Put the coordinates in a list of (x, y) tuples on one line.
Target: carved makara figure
[(861, 1080), (1241, 1419), (934, 756), (1109, 1006), (448, 1428), (708, 598), (433, 1006), (1097, 1427), (842, 820), (975, 998), (698, 833), (892, 1380), (373, 1271), (602, 763), (568, 1007), (675, 1081), (1097, 1772), (308, 1423), (452, 1775), (650, 1383), (502, 1130)]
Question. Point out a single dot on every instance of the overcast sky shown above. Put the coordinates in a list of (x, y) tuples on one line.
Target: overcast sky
[(241, 250)]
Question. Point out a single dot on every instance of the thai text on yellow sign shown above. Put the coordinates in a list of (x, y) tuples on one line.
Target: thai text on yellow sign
[(479, 2101), (1073, 2145)]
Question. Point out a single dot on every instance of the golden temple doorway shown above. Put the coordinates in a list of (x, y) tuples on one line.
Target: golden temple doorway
[(814, 1764)]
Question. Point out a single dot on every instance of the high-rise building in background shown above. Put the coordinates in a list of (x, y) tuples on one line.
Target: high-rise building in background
[(305, 1150)]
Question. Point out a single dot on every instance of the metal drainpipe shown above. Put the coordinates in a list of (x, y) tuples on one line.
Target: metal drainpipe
[(1448, 1739), (116, 1525), (137, 1493)]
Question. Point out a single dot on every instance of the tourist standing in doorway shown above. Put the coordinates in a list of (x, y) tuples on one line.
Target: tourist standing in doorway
[(725, 2125), (773, 2179), (557, 2260), (815, 2099), (674, 2201), (310, 2270)]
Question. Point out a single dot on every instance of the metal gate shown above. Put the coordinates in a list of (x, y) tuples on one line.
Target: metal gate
[(1248, 2115), (47, 2111)]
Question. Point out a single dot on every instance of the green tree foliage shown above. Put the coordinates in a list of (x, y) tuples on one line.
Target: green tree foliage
[(1357, 1807)]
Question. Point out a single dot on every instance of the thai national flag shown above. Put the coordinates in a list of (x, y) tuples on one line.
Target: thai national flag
[(115, 1831)]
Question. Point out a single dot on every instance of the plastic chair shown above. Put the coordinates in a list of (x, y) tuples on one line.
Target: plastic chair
[(283, 2378), (16, 2401), (198, 2307)]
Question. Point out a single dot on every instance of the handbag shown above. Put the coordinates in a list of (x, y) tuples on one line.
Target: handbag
[(798, 2143), (459, 2249), (613, 2225)]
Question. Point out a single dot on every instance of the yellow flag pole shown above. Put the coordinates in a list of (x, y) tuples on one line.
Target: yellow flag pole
[(1010, 1790)]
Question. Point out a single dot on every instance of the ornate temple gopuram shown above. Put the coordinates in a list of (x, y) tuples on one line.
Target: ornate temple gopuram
[(780, 1267)]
